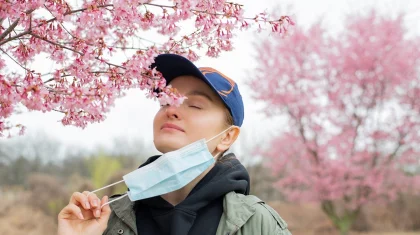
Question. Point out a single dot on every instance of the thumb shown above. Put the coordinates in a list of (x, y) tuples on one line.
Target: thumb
[(105, 211)]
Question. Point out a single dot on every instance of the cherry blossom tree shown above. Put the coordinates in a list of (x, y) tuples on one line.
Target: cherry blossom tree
[(352, 102), (81, 38)]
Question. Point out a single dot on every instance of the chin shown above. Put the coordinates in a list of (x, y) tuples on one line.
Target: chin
[(165, 146)]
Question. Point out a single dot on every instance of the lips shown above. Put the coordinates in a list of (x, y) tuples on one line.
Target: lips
[(172, 126)]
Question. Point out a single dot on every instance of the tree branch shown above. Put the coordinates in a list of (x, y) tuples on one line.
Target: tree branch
[(369, 109), (12, 27), (302, 136), (15, 37), (399, 145), (9, 30), (359, 122)]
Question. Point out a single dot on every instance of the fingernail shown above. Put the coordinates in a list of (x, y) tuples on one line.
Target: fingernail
[(87, 205), (81, 215), (95, 203), (98, 213)]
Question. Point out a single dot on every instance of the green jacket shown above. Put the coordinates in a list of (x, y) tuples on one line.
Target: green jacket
[(242, 215)]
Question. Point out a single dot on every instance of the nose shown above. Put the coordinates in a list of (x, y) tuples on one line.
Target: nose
[(173, 112)]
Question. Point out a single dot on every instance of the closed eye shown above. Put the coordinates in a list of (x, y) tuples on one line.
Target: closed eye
[(196, 107)]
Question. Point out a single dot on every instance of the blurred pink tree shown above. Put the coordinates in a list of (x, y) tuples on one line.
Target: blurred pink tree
[(353, 106), (83, 40)]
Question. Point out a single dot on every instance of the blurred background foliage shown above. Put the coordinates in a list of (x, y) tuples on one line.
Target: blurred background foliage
[(36, 182)]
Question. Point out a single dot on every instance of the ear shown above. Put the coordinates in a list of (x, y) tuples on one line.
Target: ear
[(228, 138)]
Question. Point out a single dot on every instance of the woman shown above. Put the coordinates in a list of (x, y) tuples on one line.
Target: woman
[(214, 202)]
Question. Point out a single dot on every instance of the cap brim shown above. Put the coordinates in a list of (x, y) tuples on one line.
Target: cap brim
[(172, 66)]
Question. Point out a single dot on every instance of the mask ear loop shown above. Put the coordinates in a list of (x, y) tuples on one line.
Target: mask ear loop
[(214, 137), (116, 199), (99, 189)]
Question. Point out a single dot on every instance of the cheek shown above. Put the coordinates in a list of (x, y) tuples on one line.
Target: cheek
[(208, 124), (157, 121), (214, 120)]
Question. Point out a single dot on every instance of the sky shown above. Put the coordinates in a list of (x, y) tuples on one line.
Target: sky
[(131, 117)]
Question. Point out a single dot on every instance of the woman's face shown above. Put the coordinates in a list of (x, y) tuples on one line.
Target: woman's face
[(202, 115)]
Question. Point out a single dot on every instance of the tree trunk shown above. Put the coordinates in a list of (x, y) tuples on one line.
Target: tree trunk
[(344, 225), (343, 222)]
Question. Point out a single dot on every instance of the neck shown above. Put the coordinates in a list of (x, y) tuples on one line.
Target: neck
[(179, 195)]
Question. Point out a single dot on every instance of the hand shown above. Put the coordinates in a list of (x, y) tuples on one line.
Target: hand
[(83, 215)]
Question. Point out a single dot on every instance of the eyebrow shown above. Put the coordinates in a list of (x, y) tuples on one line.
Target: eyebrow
[(199, 93)]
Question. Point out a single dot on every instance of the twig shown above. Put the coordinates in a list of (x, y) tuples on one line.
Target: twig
[(108, 63), (75, 11), (78, 52), (56, 44), (158, 5), (129, 48), (104, 72), (28, 70), (68, 75), (182, 39), (49, 80), (60, 23), (59, 111), (147, 40)]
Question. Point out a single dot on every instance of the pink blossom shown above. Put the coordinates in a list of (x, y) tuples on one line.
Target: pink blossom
[(2, 64), (352, 102), (81, 39)]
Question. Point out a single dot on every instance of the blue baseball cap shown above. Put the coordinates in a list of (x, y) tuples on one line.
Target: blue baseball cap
[(172, 66)]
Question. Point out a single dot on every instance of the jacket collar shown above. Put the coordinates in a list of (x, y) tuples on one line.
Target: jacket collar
[(124, 209), (237, 208)]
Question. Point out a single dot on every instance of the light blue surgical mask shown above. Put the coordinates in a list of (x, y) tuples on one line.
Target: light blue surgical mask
[(171, 171)]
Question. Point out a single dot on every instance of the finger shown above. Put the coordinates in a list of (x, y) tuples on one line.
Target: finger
[(80, 199), (71, 211), (106, 208), (105, 211), (95, 203), (94, 200)]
